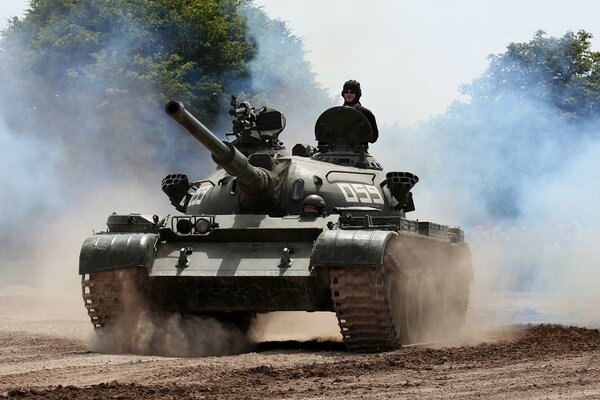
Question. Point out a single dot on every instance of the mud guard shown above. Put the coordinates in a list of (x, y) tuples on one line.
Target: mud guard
[(348, 248), (109, 252)]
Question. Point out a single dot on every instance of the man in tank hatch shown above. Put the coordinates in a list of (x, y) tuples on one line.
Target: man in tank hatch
[(351, 94), (313, 205)]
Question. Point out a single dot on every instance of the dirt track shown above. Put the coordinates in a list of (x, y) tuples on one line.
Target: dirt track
[(44, 353)]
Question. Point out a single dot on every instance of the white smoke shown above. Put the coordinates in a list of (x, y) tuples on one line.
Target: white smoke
[(521, 179), (72, 153)]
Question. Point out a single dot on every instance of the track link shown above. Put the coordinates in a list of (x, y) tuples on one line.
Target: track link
[(361, 307), (101, 292), (106, 294)]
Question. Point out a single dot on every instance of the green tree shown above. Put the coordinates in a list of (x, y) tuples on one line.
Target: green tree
[(112, 64), (528, 117), (561, 72), (190, 50)]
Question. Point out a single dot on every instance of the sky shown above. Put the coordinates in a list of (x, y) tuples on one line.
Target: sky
[(14, 8), (411, 56)]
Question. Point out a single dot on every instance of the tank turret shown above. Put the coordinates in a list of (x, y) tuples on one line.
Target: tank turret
[(251, 180), (249, 158)]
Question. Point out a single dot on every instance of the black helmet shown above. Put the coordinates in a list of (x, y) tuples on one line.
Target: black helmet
[(315, 200), (355, 86)]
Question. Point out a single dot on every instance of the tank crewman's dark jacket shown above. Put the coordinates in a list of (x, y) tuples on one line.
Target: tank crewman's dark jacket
[(367, 113)]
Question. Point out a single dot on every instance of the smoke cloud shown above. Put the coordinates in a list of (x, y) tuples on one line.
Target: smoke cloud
[(520, 177), (283, 77), (89, 141), (72, 153), (57, 156)]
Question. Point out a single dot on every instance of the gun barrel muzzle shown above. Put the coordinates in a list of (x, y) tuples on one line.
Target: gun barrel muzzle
[(178, 112)]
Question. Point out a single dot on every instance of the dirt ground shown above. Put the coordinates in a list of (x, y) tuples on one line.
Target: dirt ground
[(48, 351)]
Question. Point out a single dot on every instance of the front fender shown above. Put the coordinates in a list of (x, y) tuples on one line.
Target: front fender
[(108, 252), (346, 248)]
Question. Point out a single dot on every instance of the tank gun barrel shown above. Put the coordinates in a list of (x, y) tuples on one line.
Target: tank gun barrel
[(251, 180), (177, 111)]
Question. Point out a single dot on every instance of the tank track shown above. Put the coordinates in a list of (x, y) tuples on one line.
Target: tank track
[(378, 309), (107, 295), (103, 294), (361, 307)]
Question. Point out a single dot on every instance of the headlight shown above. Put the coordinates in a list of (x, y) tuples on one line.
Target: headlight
[(193, 224), (202, 226), (184, 226)]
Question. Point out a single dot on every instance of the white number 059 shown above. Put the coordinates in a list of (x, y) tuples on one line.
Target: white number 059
[(360, 193)]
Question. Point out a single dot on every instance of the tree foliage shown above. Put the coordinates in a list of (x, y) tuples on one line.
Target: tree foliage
[(97, 74), (529, 115), (561, 72), (83, 86), (191, 50)]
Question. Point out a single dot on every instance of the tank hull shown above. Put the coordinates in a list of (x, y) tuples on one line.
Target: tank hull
[(389, 284)]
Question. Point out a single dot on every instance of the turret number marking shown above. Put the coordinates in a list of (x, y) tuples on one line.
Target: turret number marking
[(360, 193)]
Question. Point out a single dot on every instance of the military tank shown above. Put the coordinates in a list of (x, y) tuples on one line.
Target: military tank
[(321, 229)]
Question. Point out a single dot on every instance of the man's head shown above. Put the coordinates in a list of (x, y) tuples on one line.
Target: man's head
[(313, 204), (351, 92)]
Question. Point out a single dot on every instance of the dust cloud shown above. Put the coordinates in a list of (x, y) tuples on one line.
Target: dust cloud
[(171, 335), (134, 325), (524, 190), (299, 326)]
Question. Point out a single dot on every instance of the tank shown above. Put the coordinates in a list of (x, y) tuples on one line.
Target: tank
[(321, 229)]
